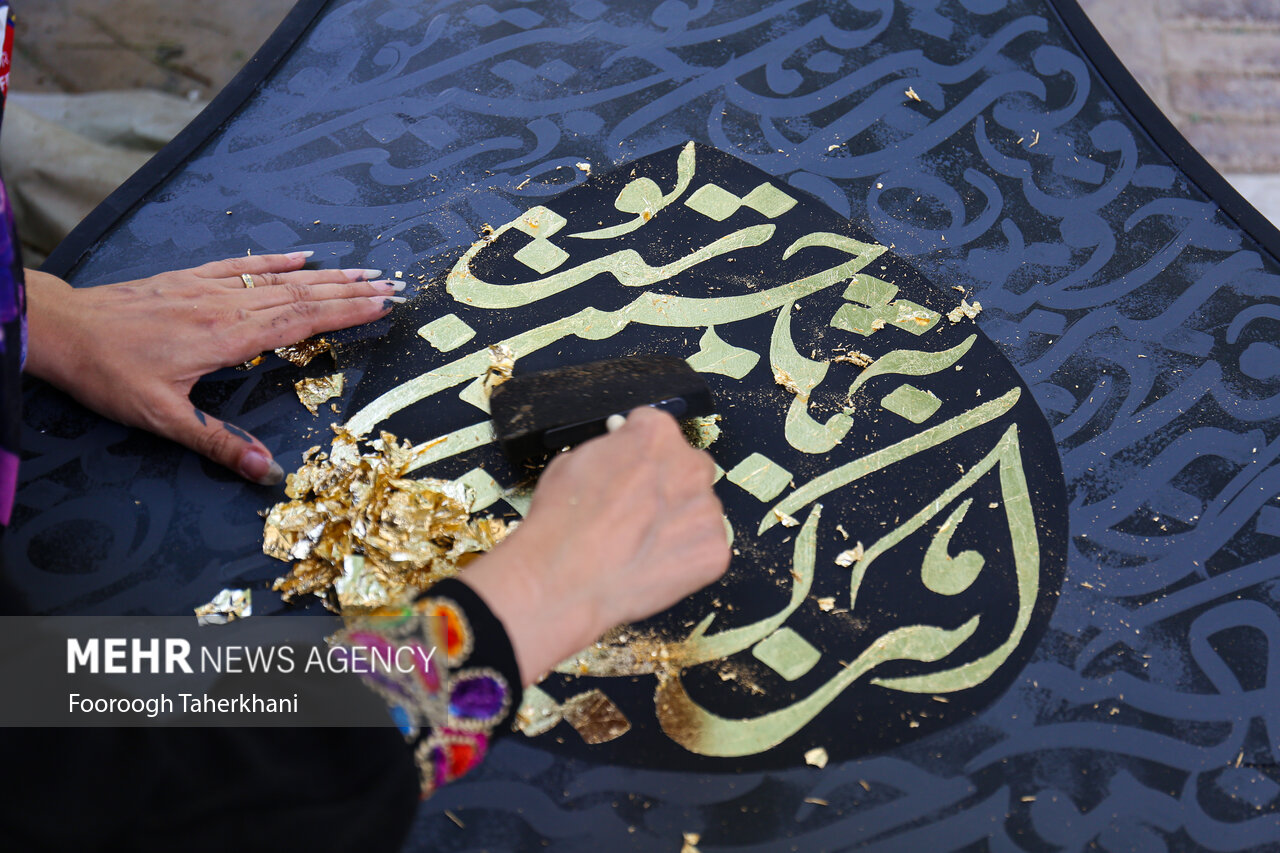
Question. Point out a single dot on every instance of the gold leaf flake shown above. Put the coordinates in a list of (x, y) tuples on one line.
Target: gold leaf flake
[(787, 520), (845, 559), (911, 93), (817, 801), (955, 315), (303, 352), (816, 757), (594, 716), (502, 361), (227, 606), (854, 357), (691, 840), (320, 389), (784, 379), (827, 604)]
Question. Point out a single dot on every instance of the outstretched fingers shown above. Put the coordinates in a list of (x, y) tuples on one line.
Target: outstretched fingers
[(288, 293), (267, 281), (253, 265), (300, 319)]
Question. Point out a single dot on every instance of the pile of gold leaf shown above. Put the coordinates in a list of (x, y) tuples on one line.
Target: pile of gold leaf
[(359, 525)]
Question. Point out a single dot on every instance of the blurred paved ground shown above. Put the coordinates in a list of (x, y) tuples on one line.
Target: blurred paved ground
[(1213, 66), (174, 46)]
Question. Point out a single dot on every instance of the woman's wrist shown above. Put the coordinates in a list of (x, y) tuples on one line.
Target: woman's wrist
[(545, 624), (48, 297)]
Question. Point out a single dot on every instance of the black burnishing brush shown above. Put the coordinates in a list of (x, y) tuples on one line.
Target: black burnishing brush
[(540, 413)]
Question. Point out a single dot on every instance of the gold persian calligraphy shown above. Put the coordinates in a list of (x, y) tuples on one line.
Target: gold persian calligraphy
[(869, 309)]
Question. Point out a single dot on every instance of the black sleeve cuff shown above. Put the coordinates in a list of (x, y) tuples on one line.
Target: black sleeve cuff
[(492, 646)]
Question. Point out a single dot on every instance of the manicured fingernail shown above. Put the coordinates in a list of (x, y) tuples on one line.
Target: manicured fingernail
[(361, 275), (386, 303), (388, 285), (615, 422), (300, 256), (257, 466)]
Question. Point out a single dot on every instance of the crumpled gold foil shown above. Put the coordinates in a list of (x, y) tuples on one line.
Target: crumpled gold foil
[(303, 352), (856, 358), (227, 606), (502, 362), (955, 315), (356, 524), (787, 381), (313, 392)]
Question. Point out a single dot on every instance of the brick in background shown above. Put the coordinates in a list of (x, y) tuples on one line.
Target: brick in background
[(1236, 147), (1238, 50), (1229, 10), (1225, 95)]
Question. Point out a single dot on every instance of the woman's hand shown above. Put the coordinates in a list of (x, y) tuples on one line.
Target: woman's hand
[(133, 351), (619, 529)]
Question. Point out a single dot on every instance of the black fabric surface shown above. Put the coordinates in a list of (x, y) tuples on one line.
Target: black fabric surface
[(205, 789), (1133, 293)]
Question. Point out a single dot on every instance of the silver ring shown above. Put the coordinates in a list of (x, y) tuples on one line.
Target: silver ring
[(247, 279)]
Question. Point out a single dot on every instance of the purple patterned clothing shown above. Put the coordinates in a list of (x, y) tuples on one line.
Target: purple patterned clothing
[(13, 321), (463, 687)]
